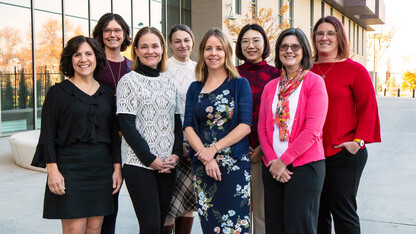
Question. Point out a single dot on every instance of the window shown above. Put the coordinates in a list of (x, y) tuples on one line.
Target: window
[(322, 9)]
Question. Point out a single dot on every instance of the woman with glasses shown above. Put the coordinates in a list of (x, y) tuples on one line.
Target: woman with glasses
[(292, 113), (217, 121), (253, 48), (352, 122), (112, 33)]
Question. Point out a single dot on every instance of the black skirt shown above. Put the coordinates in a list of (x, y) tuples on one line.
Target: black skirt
[(87, 169)]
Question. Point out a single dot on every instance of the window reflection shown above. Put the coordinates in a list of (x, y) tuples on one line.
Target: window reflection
[(16, 84)]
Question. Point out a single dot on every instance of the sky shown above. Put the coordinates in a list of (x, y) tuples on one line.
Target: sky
[(401, 15)]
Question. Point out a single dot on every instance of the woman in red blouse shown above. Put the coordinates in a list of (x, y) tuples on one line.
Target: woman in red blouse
[(352, 121), (253, 47)]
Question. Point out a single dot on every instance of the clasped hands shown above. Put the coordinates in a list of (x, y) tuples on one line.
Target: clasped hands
[(279, 171), (165, 166), (206, 156)]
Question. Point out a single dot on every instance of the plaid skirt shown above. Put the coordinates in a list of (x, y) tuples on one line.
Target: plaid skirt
[(183, 199)]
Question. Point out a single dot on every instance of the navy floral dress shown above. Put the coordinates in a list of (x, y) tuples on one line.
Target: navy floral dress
[(223, 206)]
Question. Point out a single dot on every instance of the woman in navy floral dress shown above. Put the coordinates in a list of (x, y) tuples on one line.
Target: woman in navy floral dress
[(217, 121)]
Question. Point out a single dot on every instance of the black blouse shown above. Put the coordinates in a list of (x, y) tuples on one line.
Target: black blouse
[(71, 116)]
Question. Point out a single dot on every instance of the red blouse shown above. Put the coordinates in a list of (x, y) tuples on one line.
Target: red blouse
[(258, 75), (352, 107)]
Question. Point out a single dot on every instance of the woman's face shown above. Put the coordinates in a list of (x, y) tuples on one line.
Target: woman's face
[(214, 53), (113, 35), (290, 53), (252, 46), (326, 39), (181, 45), (149, 50), (84, 61)]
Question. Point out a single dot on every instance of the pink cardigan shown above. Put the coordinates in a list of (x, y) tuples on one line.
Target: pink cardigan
[(305, 139)]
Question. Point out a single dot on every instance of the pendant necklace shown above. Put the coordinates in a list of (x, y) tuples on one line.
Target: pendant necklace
[(112, 74), (323, 74)]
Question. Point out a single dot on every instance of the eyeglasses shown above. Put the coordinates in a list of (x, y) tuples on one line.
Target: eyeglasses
[(329, 34), (108, 31), (294, 47), (246, 42)]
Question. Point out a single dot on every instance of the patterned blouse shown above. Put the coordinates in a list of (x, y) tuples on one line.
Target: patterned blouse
[(154, 101)]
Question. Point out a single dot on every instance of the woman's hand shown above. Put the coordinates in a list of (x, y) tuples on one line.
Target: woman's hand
[(279, 171), (351, 146), (157, 164), (56, 181), (213, 170), (256, 154), (186, 148), (169, 163), (117, 178), (207, 154)]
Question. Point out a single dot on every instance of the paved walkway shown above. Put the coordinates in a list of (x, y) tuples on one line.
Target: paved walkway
[(387, 195)]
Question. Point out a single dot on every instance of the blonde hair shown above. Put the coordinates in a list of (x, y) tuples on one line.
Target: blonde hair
[(201, 70), (163, 64)]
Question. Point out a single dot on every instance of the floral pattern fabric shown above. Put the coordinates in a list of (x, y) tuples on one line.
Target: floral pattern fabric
[(223, 206)]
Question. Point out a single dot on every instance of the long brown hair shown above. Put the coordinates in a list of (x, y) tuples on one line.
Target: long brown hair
[(343, 47), (201, 70), (163, 64)]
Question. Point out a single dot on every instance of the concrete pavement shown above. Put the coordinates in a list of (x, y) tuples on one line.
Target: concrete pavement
[(386, 198)]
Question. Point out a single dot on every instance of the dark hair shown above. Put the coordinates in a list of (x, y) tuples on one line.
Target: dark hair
[(306, 63), (163, 64), (201, 70), (97, 33), (181, 27), (258, 28), (65, 65), (343, 47)]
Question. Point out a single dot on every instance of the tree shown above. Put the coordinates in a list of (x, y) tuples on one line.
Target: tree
[(265, 18), (391, 83), (10, 41), (23, 91), (379, 43), (7, 96), (409, 80)]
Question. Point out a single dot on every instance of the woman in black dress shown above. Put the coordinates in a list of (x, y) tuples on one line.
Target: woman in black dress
[(78, 143)]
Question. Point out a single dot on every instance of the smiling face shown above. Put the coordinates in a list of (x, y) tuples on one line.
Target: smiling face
[(84, 61), (290, 59), (214, 54), (326, 40), (113, 35), (181, 45), (149, 50), (252, 46)]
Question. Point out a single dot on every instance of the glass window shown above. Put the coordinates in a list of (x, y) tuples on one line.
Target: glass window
[(156, 15), (25, 3), (141, 15), (172, 13), (98, 8), (123, 8), (47, 5), (16, 86)]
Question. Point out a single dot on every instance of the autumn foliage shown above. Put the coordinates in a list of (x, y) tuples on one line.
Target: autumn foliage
[(409, 80)]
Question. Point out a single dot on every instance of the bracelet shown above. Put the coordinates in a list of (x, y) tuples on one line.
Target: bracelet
[(216, 147)]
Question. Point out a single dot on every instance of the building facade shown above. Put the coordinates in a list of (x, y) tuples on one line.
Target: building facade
[(33, 33)]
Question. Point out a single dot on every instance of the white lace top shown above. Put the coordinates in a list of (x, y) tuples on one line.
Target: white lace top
[(154, 101)]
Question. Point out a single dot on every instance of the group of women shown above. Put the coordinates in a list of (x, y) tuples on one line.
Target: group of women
[(197, 136)]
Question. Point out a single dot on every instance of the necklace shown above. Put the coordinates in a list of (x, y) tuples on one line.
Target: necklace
[(112, 74), (79, 87), (323, 74)]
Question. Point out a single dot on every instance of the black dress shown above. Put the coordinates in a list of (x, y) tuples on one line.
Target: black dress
[(79, 133)]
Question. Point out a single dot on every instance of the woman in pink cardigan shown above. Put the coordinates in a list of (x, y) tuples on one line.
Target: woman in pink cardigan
[(292, 113)]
